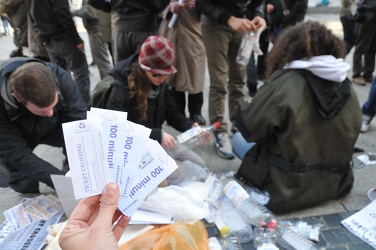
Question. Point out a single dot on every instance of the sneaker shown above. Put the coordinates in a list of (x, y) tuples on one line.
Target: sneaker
[(199, 119), (366, 123), (223, 146), (371, 194), (359, 80)]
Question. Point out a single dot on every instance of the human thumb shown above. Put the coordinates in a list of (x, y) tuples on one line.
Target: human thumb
[(109, 202)]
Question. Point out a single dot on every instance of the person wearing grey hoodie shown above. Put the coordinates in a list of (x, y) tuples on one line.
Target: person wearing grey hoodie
[(297, 135)]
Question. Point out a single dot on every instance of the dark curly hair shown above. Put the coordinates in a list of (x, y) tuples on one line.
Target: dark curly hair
[(303, 41), (139, 87)]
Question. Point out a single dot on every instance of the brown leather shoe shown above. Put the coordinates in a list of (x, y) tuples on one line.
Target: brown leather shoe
[(359, 80)]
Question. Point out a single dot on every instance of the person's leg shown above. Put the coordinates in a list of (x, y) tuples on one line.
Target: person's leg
[(65, 54), (183, 154), (183, 174), (100, 54), (195, 102), (264, 46), (369, 108), (348, 26), (369, 66), (240, 146), (119, 45), (360, 49), (10, 177), (252, 76), (179, 97), (236, 77), (216, 38), (126, 44), (78, 64), (369, 50)]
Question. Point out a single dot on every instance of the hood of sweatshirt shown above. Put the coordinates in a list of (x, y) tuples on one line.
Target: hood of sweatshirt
[(327, 79)]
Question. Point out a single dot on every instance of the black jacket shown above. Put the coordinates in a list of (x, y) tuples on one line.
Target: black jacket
[(21, 131), (137, 15), (160, 109), (52, 18), (294, 11), (221, 10)]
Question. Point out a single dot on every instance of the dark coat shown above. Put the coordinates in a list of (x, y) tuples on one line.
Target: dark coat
[(308, 127), (221, 10), (21, 131), (283, 16), (52, 19)]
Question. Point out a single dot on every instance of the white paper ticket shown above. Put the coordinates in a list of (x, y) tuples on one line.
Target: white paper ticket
[(102, 150), (83, 141)]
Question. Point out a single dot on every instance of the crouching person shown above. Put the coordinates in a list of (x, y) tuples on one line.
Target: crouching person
[(297, 135), (36, 98)]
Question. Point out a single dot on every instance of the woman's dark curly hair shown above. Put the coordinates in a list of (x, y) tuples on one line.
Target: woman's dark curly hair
[(139, 88), (303, 41)]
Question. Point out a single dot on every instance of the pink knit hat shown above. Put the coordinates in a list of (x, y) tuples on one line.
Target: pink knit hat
[(157, 56)]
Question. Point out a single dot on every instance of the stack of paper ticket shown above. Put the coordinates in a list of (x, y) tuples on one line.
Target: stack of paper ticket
[(106, 147), (32, 210)]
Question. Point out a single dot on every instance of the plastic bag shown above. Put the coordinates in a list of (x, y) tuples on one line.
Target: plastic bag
[(178, 236), (177, 202)]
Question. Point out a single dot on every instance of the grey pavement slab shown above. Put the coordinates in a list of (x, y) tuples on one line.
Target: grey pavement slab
[(364, 175)]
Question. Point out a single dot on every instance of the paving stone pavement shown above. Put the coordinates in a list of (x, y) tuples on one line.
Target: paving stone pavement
[(328, 215)]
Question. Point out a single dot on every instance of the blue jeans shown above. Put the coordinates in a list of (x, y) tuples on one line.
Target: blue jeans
[(240, 146), (369, 107)]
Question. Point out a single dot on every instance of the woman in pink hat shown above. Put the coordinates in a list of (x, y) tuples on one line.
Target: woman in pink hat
[(140, 89)]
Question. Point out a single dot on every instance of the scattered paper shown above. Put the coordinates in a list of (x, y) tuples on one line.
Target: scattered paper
[(31, 237), (365, 159), (147, 217), (32, 210), (363, 224)]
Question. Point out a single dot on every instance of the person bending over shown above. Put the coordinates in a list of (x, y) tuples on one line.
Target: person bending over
[(36, 98)]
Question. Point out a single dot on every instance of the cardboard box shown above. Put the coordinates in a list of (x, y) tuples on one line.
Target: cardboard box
[(64, 189)]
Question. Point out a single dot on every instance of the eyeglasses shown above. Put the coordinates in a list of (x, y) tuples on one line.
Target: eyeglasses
[(156, 75)]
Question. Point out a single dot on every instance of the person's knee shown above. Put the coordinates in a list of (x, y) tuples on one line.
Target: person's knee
[(10, 177), (25, 185)]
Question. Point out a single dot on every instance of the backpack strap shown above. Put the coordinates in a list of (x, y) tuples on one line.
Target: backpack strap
[(306, 167)]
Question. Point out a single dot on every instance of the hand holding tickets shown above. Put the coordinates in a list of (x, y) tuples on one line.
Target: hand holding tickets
[(102, 150)]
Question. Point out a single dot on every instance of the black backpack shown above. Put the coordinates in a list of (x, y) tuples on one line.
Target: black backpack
[(102, 92)]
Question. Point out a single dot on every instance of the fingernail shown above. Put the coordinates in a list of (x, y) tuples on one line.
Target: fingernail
[(111, 189)]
